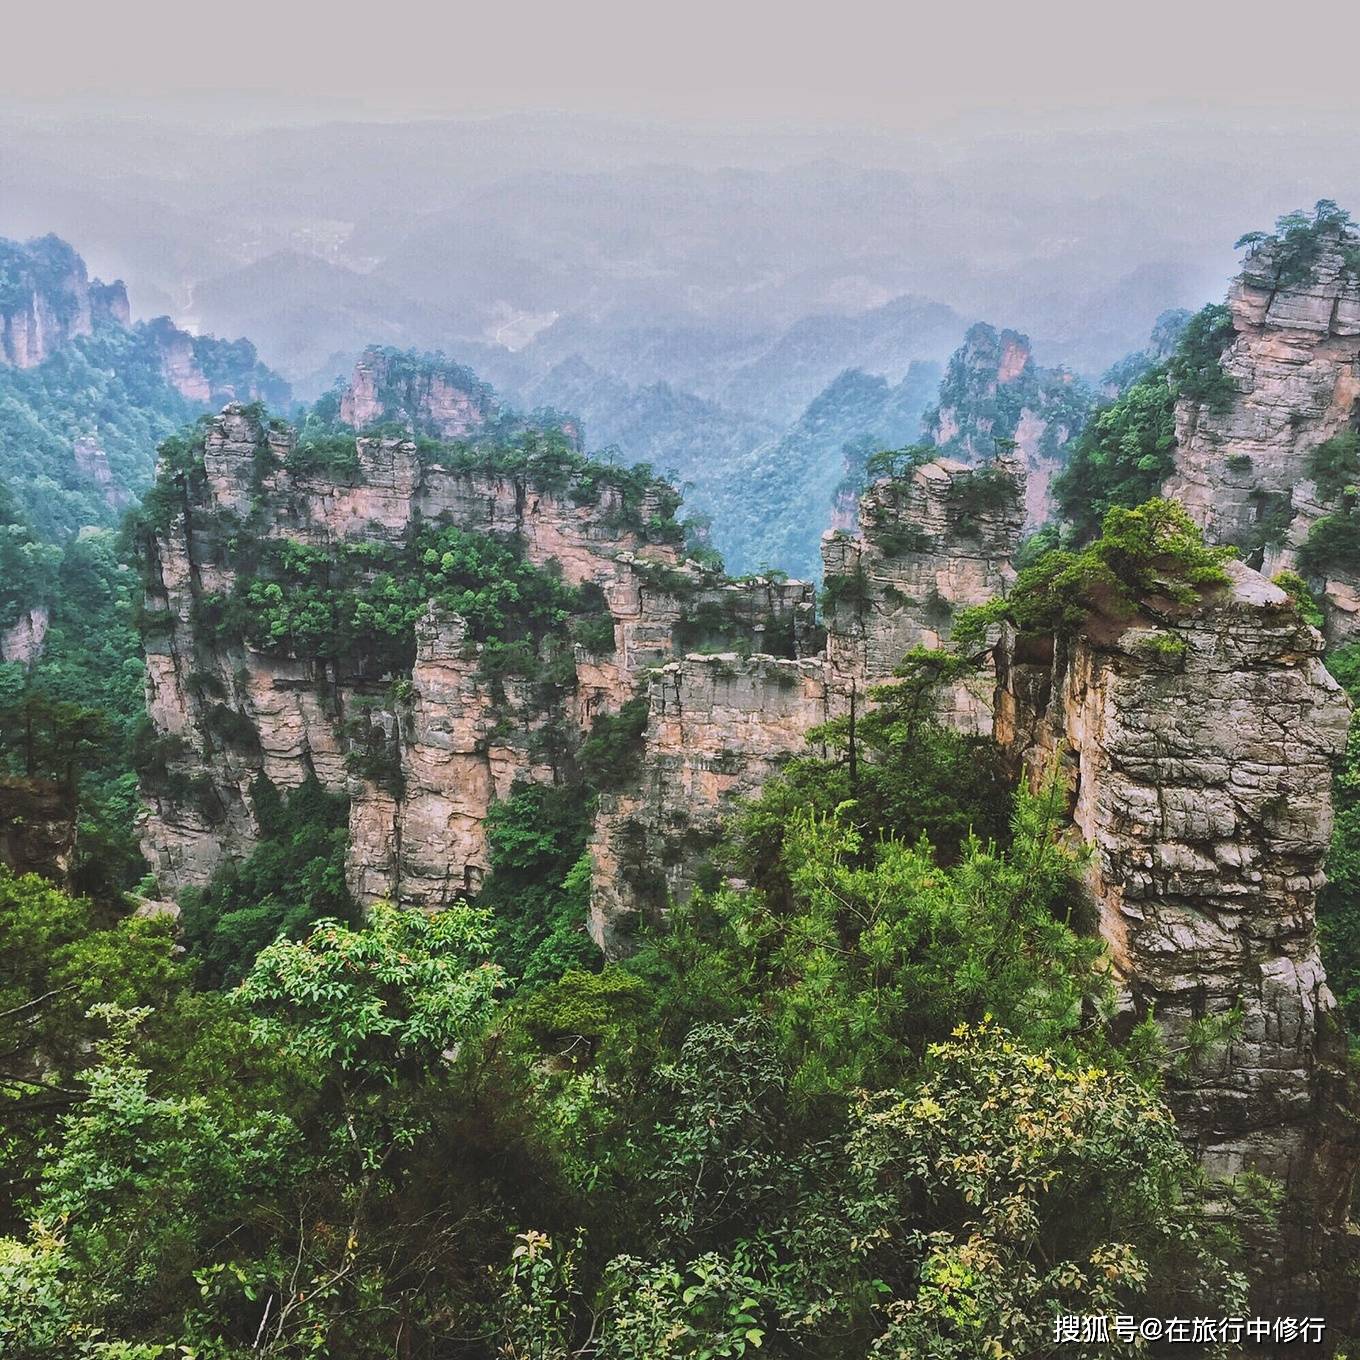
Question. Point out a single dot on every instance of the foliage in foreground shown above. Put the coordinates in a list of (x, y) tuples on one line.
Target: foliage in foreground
[(867, 1108)]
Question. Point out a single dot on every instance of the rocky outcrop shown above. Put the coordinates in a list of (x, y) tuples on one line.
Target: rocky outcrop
[(1293, 363), (421, 761), (434, 397), (47, 300), (208, 372), (179, 363), (92, 462), (1194, 742), (23, 641), (735, 673), (37, 828), (994, 396), (1196, 746), (931, 543), (1166, 334), (718, 727)]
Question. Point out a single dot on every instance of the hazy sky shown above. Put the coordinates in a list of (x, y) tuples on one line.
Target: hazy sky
[(897, 65)]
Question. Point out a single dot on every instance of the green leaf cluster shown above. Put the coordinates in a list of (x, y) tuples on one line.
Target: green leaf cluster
[(1152, 552), (1127, 449), (293, 877)]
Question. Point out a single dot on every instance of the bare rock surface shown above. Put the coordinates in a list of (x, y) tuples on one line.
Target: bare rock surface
[(1294, 364), (1197, 752)]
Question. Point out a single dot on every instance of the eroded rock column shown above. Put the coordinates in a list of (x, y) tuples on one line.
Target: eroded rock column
[(1197, 750)]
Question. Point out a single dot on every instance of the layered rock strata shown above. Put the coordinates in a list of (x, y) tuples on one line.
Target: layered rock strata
[(718, 727), (1242, 467), (451, 738), (1196, 746), (930, 544)]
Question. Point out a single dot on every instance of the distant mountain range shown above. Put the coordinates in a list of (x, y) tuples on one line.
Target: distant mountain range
[(763, 431), (86, 394), (318, 240)]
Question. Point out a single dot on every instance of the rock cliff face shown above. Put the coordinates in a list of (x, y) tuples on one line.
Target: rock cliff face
[(24, 641), (1196, 746), (454, 736), (438, 399), (733, 673), (930, 544), (37, 828), (994, 391), (718, 726), (92, 463), (47, 300), (1242, 467), (1195, 743), (206, 371)]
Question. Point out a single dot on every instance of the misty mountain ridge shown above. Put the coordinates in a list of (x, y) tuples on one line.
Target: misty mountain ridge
[(439, 233)]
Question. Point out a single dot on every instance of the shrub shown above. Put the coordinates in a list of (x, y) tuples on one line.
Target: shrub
[(293, 877), (611, 756), (1335, 465), (1154, 549), (1333, 544)]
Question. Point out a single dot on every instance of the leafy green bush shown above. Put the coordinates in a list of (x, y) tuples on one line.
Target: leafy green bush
[(897, 540), (1195, 369), (985, 491), (1335, 465), (1299, 239), (1154, 549), (611, 756), (357, 603), (327, 458), (1302, 597), (1122, 457), (232, 727), (1333, 544), (539, 886), (1127, 449)]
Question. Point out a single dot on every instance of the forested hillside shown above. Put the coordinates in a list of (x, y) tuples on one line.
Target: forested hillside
[(85, 395)]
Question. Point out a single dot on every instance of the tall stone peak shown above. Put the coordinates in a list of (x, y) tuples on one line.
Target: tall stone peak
[(47, 299), (210, 372), (1244, 464), (431, 396), (931, 542), (427, 393), (462, 733), (1209, 819), (994, 394)]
